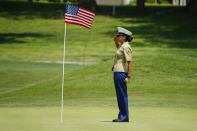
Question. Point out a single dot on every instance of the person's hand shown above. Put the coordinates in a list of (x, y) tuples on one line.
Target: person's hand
[(115, 39), (127, 80)]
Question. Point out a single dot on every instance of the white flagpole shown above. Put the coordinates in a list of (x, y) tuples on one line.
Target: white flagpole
[(63, 75)]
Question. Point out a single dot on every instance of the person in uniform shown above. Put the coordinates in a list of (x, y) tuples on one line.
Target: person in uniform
[(122, 74)]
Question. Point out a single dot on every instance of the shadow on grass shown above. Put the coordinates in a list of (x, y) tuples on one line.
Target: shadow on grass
[(10, 38), (157, 26), (56, 10), (26, 10), (162, 28)]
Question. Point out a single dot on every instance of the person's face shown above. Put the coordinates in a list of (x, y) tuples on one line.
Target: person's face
[(121, 38)]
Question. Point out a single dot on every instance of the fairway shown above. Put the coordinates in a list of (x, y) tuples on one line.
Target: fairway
[(97, 119)]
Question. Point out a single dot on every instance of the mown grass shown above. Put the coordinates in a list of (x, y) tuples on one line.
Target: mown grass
[(96, 118)]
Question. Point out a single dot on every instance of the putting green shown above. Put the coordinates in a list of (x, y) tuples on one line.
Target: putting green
[(96, 119)]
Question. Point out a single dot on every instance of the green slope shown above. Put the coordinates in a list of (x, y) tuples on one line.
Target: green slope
[(160, 77)]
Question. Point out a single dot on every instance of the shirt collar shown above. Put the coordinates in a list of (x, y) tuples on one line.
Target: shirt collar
[(124, 44)]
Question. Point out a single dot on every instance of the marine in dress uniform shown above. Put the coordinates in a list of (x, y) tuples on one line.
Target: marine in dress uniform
[(122, 74)]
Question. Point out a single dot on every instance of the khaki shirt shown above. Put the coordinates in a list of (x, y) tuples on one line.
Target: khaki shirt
[(123, 54)]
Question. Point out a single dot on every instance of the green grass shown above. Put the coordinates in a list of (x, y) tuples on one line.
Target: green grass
[(159, 79), (37, 38), (162, 92), (97, 118)]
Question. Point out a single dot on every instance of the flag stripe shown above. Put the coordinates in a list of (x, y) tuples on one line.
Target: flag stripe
[(77, 23), (90, 19), (81, 18), (74, 20), (77, 20), (89, 22), (86, 12)]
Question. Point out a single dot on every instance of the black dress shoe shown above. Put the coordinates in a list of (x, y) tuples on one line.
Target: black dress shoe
[(119, 120)]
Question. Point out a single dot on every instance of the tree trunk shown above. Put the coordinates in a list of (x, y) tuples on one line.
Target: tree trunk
[(157, 2), (141, 4), (192, 5), (88, 4)]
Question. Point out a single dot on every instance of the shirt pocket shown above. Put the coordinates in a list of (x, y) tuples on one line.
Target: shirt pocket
[(119, 54), (127, 53)]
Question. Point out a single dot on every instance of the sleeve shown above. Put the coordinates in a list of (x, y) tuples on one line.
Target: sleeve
[(128, 53)]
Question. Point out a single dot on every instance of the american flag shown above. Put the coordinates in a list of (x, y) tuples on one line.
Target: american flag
[(79, 16)]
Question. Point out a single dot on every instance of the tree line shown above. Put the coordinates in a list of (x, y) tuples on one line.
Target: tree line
[(140, 4)]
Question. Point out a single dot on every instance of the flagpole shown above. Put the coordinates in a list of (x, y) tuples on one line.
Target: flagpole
[(63, 75)]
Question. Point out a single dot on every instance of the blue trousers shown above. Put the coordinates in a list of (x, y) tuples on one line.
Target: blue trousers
[(121, 93)]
